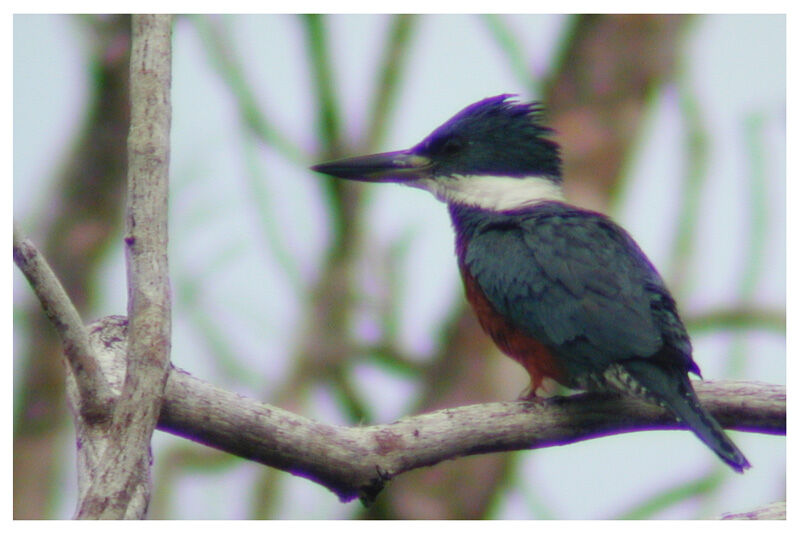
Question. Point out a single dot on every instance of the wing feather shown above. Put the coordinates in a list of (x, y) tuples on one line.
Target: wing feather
[(575, 281)]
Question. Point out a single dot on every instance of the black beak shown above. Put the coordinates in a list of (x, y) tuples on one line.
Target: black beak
[(401, 166)]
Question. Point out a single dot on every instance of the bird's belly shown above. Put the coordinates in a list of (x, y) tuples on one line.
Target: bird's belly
[(534, 356)]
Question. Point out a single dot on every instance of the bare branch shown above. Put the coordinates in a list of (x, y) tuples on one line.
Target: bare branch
[(122, 489), (95, 394), (776, 510), (357, 461), (95, 437)]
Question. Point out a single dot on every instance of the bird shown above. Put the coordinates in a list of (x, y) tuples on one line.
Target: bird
[(564, 291)]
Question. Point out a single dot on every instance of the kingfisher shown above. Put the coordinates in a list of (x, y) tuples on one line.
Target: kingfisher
[(564, 291)]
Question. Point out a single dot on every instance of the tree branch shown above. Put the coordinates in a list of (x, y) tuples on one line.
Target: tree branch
[(122, 487), (96, 437), (95, 395), (357, 461), (776, 510)]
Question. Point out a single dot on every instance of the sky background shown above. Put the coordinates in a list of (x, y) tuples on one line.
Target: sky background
[(734, 65)]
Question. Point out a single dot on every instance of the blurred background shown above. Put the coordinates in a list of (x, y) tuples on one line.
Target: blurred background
[(342, 301)]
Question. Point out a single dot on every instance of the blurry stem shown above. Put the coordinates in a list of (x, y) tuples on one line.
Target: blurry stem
[(532, 498), (755, 240), (744, 318), (326, 341), (190, 291), (394, 60), (351, 402), (401, 364), (342, 196), (393, 261), (327, 111), (694, 180), (224, 59), (680, 493), (268, 223), (514, 52), (759, 207), (184, 459)]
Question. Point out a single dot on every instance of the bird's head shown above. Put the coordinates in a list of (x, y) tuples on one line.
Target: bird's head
[(494, 154)]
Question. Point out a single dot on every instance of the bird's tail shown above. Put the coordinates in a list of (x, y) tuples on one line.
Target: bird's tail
[(677, 394)]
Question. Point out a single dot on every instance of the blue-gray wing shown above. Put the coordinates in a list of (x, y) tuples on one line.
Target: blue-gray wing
[(578, 283)]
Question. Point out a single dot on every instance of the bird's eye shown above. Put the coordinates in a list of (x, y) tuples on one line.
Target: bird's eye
[(451, 146)]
